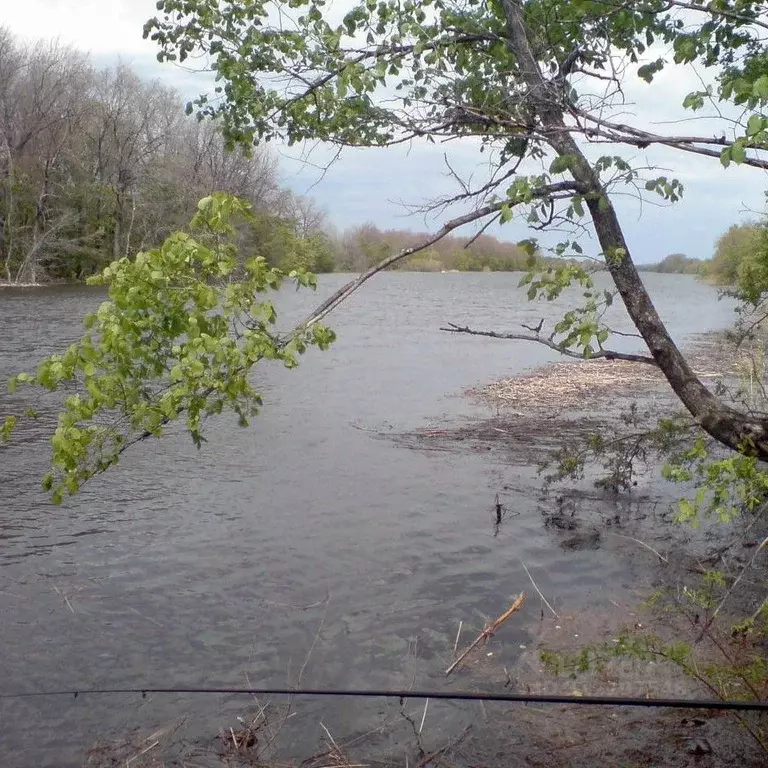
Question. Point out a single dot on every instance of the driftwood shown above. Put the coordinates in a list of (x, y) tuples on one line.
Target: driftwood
[(490, 629)]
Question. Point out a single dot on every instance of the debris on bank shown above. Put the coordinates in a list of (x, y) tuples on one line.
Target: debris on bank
[(566, 384)]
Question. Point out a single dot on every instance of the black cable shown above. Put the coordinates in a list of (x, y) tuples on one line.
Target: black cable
[(621, 701)]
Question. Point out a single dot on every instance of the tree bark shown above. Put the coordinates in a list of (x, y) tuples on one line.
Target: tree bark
[(727, 425)]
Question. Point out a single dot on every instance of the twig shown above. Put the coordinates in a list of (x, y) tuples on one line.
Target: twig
[(759, 608), (314, 640), (458, 634), (708, 622), (641, 543), (423, 717), (489, 631), (535, 586), (64, 598), (148, 618), (427, 759), (143, 752)]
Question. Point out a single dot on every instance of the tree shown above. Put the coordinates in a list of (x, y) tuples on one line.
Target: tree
[(530, 84), (41, 91), (679, 263), (183, 327), (733, 250), (505, 73), (95, 165)]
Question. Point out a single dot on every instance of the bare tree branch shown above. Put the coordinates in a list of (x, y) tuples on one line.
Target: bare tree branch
[(347, 290), (606, 354), (620, 133), (712, 10)]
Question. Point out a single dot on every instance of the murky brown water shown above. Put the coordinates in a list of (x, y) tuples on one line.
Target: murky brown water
[(194, 568)]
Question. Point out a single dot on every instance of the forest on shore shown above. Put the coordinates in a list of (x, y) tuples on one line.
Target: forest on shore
[(96, 164)]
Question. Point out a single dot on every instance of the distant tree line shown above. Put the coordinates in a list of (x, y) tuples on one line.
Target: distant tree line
[(363, 246), (678, 264), (97, 164), (740, 260)]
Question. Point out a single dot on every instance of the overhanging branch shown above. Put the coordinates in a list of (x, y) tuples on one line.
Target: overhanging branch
[(620, 133), (347, 290), (607, 354)]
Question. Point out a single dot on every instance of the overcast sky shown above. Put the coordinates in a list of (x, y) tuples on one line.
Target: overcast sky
[(370, 185)]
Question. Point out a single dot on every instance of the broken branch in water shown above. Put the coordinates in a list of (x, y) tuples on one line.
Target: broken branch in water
[(433, 756), (489, 631)]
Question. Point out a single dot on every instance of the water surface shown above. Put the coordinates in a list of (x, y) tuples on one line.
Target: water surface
[(182, 567)]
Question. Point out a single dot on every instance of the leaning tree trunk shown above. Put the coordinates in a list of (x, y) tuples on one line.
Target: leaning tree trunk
[(725, 424)]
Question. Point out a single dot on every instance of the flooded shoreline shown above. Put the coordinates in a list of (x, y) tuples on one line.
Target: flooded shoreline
[(639, 527), (183, 568)]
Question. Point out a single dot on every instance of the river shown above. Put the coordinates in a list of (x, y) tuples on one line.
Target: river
[(182, 568)]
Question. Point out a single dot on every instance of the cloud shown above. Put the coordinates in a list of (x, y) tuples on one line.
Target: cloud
[(96, 26)]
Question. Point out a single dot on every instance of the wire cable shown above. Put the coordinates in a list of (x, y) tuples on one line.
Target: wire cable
[(523, 698)]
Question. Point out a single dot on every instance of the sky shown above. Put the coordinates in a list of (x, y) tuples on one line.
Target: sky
[(372, 185)]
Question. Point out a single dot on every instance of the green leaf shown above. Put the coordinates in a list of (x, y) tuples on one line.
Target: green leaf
[(693, 101), (7, 428), (738, 153), (755, 124), (760, 87), (560, 164), (647, 71)]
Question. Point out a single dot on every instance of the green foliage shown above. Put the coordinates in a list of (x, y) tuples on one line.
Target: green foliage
[(741, 260), (622, 456), (425, 261), (366, 245), (276, 240), (177, 338), (725, 486), (726, 679), (667, 189), (579, 328)]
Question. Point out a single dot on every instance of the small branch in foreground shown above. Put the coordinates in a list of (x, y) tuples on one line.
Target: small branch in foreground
[(489, 631), (607, 354), (708, 622), (642, 544)]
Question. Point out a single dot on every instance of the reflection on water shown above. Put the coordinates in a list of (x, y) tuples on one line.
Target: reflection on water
[(182, 567)]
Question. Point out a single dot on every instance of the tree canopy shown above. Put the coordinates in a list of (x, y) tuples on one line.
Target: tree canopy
[(97, 164), (526, 82)]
